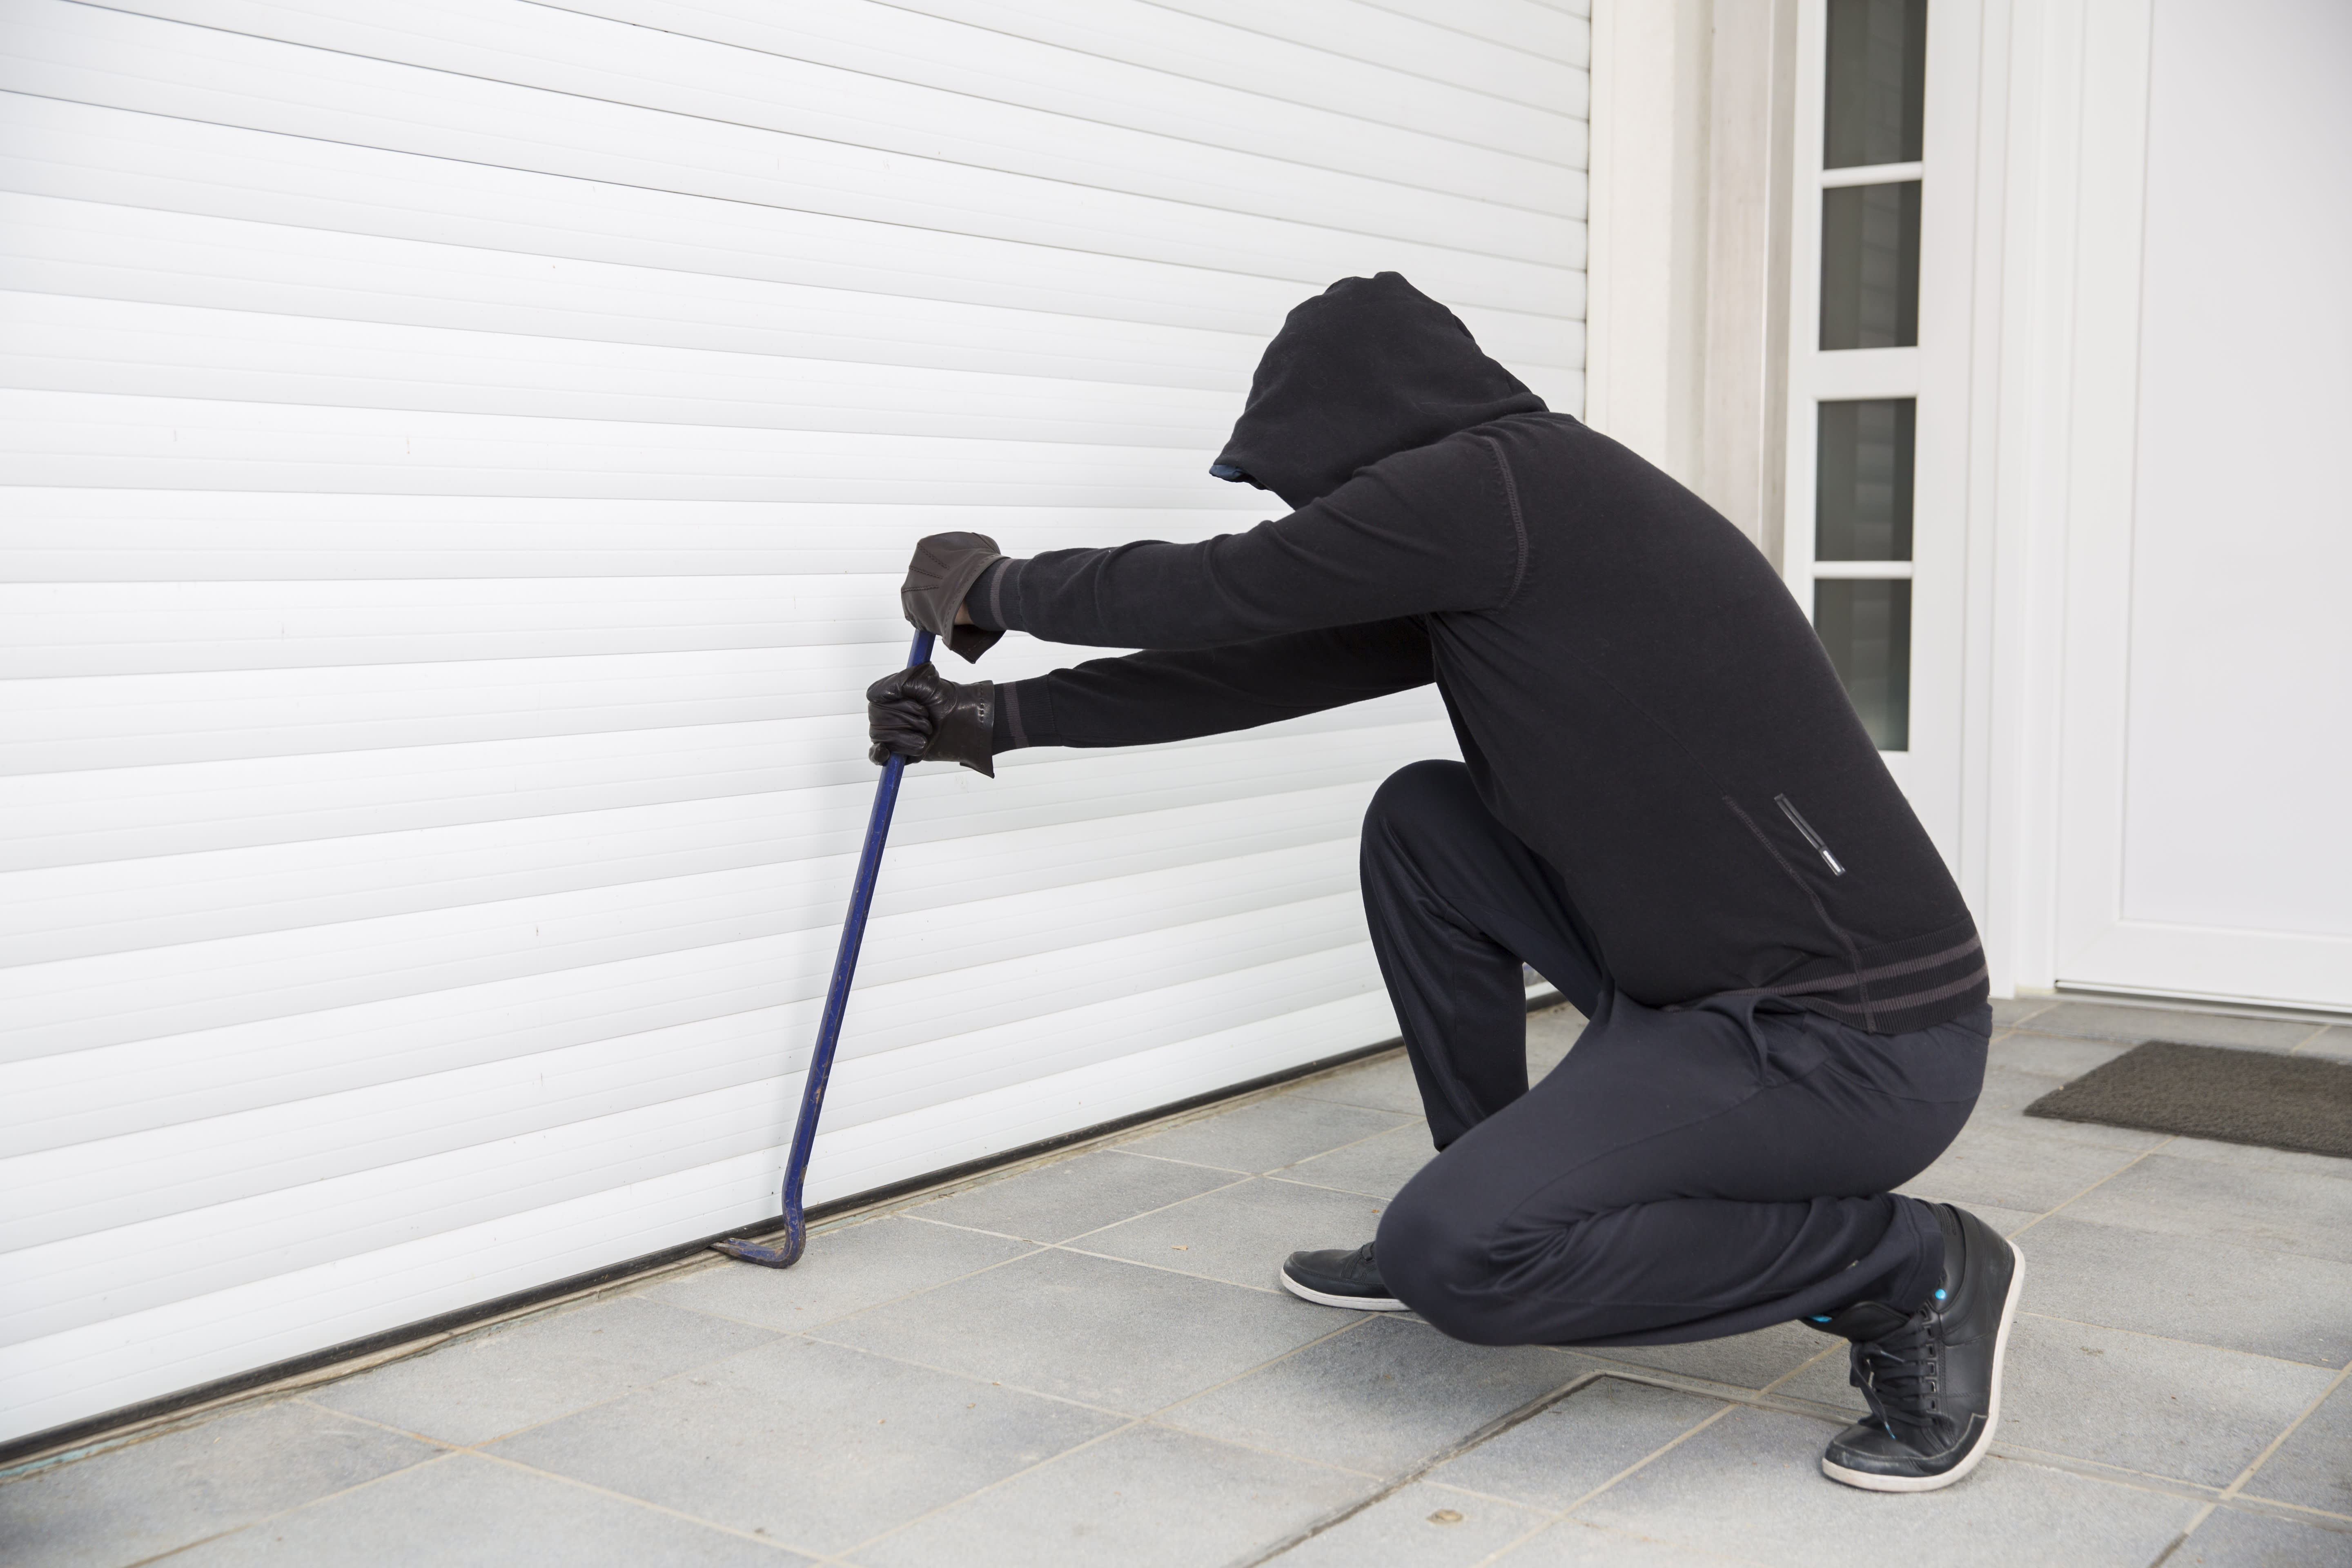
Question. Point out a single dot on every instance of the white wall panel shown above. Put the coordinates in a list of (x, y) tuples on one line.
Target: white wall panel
[(457, 463)]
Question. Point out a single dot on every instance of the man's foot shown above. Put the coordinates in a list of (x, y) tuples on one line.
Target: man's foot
[(1340, 1279), (1933, 1377)]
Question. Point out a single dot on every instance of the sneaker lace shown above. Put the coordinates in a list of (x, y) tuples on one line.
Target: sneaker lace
[(1902, 1374)]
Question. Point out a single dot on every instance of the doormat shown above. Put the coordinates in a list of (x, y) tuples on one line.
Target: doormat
[(2271, 1101)]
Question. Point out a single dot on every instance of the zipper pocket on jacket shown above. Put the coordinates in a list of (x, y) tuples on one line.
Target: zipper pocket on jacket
[(1811, 837)]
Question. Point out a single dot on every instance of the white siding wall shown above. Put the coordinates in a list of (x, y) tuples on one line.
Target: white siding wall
[(459, 458)]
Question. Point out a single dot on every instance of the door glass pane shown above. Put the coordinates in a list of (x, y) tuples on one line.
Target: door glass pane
[(1877, 83), (1866, 626), (1862, 495), (1870, 266)]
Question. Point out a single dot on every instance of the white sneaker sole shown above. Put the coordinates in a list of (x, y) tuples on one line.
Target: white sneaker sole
[(1869, 1482), (1323, 1298)]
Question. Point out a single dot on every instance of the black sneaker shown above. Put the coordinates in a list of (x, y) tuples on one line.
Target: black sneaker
[(1932, 1377), (1340, 1279)]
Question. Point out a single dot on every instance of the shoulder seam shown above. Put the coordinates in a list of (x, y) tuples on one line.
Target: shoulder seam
[(1518, 521)]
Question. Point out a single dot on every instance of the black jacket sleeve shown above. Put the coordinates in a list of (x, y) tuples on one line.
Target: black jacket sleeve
[(1175, 696), (1432, 529)]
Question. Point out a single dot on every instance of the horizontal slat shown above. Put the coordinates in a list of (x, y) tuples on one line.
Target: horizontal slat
[(1174, 927), (1306, 116), (97, 154), (127, 906), (62, 438), (113, 1090), (60, 1284), (1394, 37), (1437, 81), (78, 535), (1421, 185), (91, 819), (134, 1356), (1556, 31), (61, 50), (61, 344), (79, 1003), (96, 250)]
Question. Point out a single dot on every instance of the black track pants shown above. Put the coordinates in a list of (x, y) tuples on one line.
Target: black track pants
[(1683, 1174)]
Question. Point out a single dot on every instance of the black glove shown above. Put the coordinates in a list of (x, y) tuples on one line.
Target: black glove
[(944, 568), (916, 714)]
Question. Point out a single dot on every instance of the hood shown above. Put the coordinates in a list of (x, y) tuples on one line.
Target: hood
[(1368, 367)]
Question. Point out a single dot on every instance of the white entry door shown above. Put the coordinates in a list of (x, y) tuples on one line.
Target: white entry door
[(2206, 849)]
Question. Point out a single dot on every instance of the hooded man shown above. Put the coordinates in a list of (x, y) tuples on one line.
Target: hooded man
[(1665, 804)]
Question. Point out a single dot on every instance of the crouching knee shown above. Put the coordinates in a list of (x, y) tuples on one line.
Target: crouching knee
[(1419, 793), (1436, 1261)]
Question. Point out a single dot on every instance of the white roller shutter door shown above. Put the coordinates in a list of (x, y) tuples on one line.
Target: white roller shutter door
[(459, 459)]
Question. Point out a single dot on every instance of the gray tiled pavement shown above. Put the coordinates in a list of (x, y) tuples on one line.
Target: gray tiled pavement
[(1087, 1362)]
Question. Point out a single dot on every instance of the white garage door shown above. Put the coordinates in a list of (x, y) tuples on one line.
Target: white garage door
[(459, 458)]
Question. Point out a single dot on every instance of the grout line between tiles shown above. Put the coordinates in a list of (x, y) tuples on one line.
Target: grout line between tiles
[(2086, 1192), (2273, 1447), (1034, 1248), (1148, 1418), (1487, 1433)]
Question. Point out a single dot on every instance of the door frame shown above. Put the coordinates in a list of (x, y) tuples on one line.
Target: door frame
[(1937, 373)]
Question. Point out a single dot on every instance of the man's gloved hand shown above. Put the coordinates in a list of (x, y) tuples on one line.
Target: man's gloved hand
[(944, 568), (915, 714)]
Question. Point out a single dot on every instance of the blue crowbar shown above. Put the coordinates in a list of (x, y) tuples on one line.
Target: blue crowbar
[(836, 1003)]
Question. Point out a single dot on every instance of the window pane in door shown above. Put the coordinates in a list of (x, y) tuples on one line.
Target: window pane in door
[(1866, 626), (1877, 83), (1870, 266), (1862, 494)]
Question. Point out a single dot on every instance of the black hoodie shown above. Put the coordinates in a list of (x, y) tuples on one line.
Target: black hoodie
[(1637, 696)]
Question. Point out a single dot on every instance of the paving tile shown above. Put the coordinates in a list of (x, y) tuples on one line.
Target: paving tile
[(1750, 1486), (472, 1513), (1743, 1360), (2276, 1211), (1420, 1526), (2329, 1165), (1573, 1541), (1824, 1382), (2269, 1303), (1112, 1334), (814, 1445), (1376, 1167), (2241, 1538), (1054, 1202), (2016, 1165), (1551, 1034), (2008, 1012), (843, 1271), (2312, 1468), (2050, 1056), (538, 1369), (1241, 1234), (1385, 1397), (2158, 1406), (1266, 1134), (1386, 1084), (2117, 1021), (135, 1502), (1577, 1444), (2335, 1040), (1147, 1497)]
